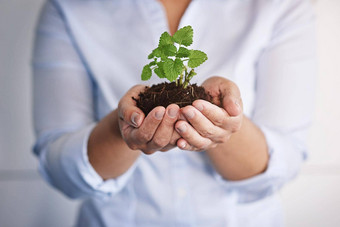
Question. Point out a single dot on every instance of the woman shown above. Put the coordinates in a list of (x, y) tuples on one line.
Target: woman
[(206, 165)]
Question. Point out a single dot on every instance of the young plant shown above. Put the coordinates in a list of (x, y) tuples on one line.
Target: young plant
[(172, 60)]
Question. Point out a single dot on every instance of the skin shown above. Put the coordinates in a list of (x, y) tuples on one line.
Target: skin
[(120, 137), (174, 11), (236, 146)]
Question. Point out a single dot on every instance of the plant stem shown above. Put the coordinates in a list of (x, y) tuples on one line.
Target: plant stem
[(185, 77), (188, 77), (180, 82)]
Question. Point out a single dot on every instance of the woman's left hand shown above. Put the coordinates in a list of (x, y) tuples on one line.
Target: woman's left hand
[(207, 124)]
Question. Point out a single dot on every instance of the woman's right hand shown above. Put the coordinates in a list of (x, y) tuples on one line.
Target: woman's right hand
[(151, 133)]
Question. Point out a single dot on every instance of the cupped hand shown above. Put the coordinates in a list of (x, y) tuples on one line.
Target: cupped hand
[(152, 133), (208, 125)]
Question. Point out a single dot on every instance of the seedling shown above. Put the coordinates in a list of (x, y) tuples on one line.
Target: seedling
[(173, 60)]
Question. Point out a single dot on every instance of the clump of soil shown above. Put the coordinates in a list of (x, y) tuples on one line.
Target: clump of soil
[(164, 94)]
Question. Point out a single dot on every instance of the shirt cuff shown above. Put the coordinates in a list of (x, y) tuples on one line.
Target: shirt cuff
[(285, 157), (93, 179), (65, 164)]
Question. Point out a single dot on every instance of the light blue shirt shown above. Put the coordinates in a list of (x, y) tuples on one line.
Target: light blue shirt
[(88, 53)]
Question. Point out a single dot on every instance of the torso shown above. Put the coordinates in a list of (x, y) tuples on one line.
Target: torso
[(172, 188)]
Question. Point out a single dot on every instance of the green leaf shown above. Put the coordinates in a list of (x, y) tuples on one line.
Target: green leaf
[(152, 63), (184, 36), (196, 58), (155, 53), (152, 55), (165, 39), (183, 52), (173, 68), (160, 70), (166, 60), (146, 73), (169, 50)]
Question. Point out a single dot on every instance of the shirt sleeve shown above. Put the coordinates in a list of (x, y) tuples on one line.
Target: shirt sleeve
[(285, 88), (64, 113)]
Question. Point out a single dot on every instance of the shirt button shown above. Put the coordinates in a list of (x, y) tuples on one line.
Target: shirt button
[(181, 192)]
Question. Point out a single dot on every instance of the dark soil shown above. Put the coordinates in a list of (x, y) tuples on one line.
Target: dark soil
[(165, 94)]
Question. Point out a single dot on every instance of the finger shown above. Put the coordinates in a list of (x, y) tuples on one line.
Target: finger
[(184, 145), (165, 130), (147, 129), (231, 99), (173, 141), (127, 109), (167, 148), (181, 117), (188, 133), (203, 125), (217, 115), (147, 151), (212, 112), (232, 105), (175, 136), (125, 128), (228, 91)]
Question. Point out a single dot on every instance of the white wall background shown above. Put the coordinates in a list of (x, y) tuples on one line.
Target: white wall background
[(25, 200), (311, 200)]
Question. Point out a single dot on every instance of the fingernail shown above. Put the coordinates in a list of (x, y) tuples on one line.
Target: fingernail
[(159, 114), (199, 107), (182, 128), (190, 114), (172, 113), (135, 118), (182, 145)]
